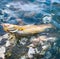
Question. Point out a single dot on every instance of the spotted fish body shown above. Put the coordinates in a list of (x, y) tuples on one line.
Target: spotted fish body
[(26, 29)]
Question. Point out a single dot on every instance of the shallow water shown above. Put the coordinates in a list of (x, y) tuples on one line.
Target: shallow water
[(31, 12)]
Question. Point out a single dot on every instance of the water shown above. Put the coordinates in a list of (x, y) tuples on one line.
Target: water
[(31, 12)]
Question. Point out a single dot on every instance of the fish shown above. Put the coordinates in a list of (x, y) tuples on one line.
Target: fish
[(26, 29)]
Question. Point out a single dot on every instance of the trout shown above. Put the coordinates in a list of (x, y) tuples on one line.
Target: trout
[(26, 29)]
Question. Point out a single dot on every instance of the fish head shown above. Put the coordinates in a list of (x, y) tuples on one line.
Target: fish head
[(7, 27)]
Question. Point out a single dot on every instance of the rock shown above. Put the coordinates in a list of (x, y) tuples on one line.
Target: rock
[(31, 51), (23, 41), (12, 39), (47, 19), (5, 36), (7, 44), (0, 38), (52, 39), (48, 55), (23, 57), (31, 39), (45, 47), (42, 52), (31, 45), (42, 38), (3, 42), (2, 56), (2, 49), (2, 52)]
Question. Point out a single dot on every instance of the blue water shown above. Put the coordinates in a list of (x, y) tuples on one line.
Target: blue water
[(28, 7), (31, 12)]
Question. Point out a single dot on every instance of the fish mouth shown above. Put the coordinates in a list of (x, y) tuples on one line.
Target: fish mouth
[(13, 31), (17, 32)]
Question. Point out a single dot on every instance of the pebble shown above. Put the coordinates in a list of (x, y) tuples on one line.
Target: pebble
[(5, 36), (23, 41), (31, 51), (47, 19), (2, 51), (7, 44), (4, 43), (0, 38), (48, 55), (23, 57)]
